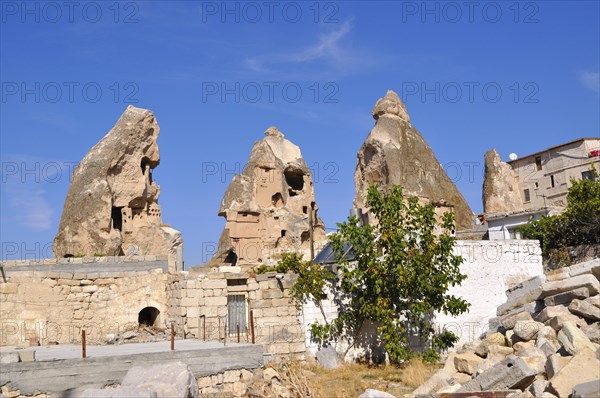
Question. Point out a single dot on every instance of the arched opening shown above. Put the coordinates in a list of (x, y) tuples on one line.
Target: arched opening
[(148, 316)]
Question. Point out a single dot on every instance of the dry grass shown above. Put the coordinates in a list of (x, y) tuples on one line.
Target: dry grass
[(417, 372), (351, 380)]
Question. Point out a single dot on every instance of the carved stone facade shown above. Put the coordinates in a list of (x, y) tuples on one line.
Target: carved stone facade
[(112, 203), (270, 208)]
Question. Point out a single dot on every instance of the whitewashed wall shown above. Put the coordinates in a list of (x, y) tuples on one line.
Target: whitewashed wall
[(491, 267)]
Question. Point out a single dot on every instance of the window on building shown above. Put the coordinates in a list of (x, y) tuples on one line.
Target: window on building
[(527, 197), (588, 175), (236, 313), (552, 181), (538, 162), (537, 185)]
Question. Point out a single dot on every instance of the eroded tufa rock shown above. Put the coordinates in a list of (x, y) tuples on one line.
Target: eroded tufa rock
[(112, 203), (395, 153), (500, 187), (269, 206)]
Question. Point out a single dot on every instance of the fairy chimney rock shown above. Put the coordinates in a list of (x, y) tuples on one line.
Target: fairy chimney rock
[(112, 203), (269, 207), (395, 153), (500, 186)]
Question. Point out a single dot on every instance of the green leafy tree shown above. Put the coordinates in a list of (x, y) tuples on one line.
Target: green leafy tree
[(579, 224), (398, 276)]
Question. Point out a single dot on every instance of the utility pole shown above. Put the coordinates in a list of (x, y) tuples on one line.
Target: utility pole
[(310, 232)]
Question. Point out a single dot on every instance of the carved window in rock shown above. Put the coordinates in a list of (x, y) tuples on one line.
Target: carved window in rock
[(116, 216), (294, 179)]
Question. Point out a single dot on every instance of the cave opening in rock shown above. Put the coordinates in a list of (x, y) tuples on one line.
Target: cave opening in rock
[(283, 232), (148, 316), (277, 200), (145, 163), (304, 237), (294, 178), (231, 258), (116, 215)]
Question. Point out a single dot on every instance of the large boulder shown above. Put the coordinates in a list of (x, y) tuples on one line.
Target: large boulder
[(167, 380), (395, 153), (582, 368), (112, 203), (269, 207)]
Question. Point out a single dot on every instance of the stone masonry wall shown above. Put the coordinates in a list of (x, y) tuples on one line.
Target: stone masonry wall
[(198, 304), (53, 306)]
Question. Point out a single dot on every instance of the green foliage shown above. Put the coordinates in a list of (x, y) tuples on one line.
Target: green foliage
[(399, 277), (311, 278), (579, 224)]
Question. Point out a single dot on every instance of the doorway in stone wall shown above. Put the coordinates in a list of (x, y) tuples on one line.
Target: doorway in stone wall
[(148, 316)]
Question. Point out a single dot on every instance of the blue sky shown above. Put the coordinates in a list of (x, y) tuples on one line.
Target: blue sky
[(516, 76)]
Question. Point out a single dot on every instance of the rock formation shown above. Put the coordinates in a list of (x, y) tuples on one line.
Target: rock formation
[(269, 207), (112, 204), (500, 186), (395, 153)]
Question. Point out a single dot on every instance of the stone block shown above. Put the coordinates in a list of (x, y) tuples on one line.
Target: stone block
[(567, 297), (527, 330), (550, 312), (585, 310), (593, 300), (526, 291), (590, 389), (193, 312), (27, 356), (89, 289), (535, 358), (592, 332), (215, 301), (573, 339), (231, 376), (214, 283), (467, 362), (488, 363), (587, 280), (68, 282), (586, 267), (8, 288), (192, 302), (582, 368), (532, 308), (172, 379), (9, 357), (554, 363), (557, 322), (511, 373), (508, 321)]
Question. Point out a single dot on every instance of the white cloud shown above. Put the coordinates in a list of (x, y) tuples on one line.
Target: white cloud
[(326, 51), (591, 80)]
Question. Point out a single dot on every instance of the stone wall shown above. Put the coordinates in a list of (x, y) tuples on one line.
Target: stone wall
[(198, 304), (492, 267), (53, 306)]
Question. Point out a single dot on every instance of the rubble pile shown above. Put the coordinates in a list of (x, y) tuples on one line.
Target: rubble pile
[(544, 342)]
